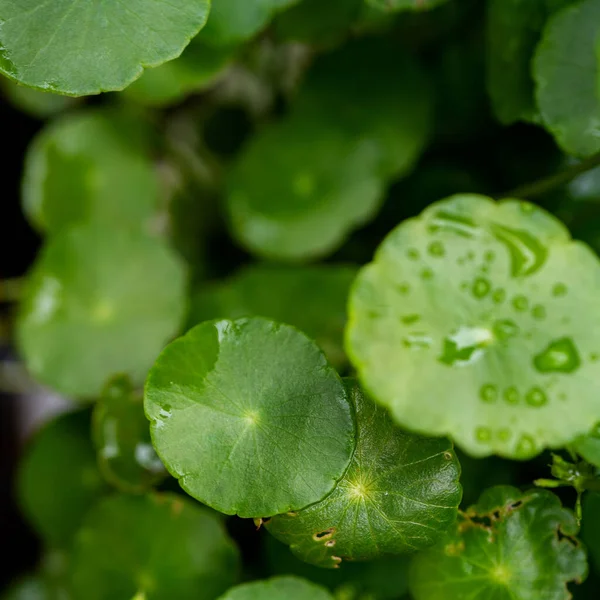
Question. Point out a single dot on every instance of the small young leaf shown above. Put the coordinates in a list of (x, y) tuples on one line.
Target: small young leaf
[(566, 71), (476, 320), (399, 494), (77, 47), (120, 431), (58, 478), (313, 299), (588, 446), (160, 546), (235, 21), (249, 417), (86, 314), (197, 68), (509, 545), (278, 588), (90, 166)]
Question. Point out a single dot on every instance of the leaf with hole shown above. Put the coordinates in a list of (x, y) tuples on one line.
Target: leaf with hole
[(475, 320), (399, 494), (313, 299), (122, 439), (160, 546), (58, 478), (278, 588), (77, 47), (566, 72), (85, 313), (509, 545), (249, 416), (90, 166)]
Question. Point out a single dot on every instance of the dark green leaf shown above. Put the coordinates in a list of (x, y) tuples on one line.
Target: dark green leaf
[(122, 438), (159, 546), (566, 74), (509, 546), (590, 531), (313, 299), (249, 417), (59, 478), (90, 166), (398, 5), (278, 588), (78, 47), (99, 301), (399, 494), (476, 320)]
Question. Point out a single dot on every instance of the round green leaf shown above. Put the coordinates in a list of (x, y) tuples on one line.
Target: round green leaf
[(399, 494), (493, 305), (509, 546), (58, 478), (122, 439), (77, 47), (235, 21), (398, 5), (588, 446), (99, 301), (566, 71), (156, 547), (90, 166), (249, 417), (313, 299), (198, 67), (278, 588), (34, 102)]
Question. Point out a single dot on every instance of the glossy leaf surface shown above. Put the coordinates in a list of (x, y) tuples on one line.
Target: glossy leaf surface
[(510, 546), (313, 299), (399, 494), (278, 588), (122, 438), (86, 313), (475, 320), (158, 547), (249, 417), (77, 47)]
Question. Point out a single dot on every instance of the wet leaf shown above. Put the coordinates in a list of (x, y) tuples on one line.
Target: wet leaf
[(120, 431), (313, 299), (90, 166), (399, 494), (509, 545), (77, 48), (86, 313), (160, 546), (249, 417), (475, 320), (565, 69), (58, 478), (278, 588)]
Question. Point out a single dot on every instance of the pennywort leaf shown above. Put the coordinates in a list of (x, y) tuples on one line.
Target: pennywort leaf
[(490, 305), (398, 5), (249, 417), (399, 494), (278, 588), (509, 545)]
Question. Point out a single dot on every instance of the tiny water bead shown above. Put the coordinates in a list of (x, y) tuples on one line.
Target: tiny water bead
[(426, 274), (483, 434), (403, 289), (498, 296), (559, 290), (481, 287), (520, 303), (505, 329), (417, 341), (488, 392), (511, 395), (437, 249), (526, 446), (410, 319), (538, 312), (560, 356), (412, 254), (536, 397), (527, 254)]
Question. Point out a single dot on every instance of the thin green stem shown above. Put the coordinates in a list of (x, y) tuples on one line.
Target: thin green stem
[(537, 188)]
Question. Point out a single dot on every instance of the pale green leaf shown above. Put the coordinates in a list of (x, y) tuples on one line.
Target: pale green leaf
[(249, 417), (476, 320), (278, 588)]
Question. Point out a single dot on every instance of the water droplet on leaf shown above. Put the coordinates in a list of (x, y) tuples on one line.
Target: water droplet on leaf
[(483, 434), (511, 395), (538, 312), (536, 397), (520, 303), (527, 255), (453, 223), (481, 287), (436, 249), (412, 253), (560, 289), (560, 356), (465, 346), (505, 329), (499, 296), (410, 319), (488, 392)]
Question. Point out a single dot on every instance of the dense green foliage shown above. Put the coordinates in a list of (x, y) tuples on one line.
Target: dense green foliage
[(282, 278)]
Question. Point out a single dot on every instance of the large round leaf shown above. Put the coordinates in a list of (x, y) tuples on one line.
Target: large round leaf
[(278, 588), (478, 320), (566, 73), (399, 494), (58, 478), (249, 417), (99, 301), (79, 47), (509, 546), (90, 166), (122, 439), (313, 299), (156, 547)]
